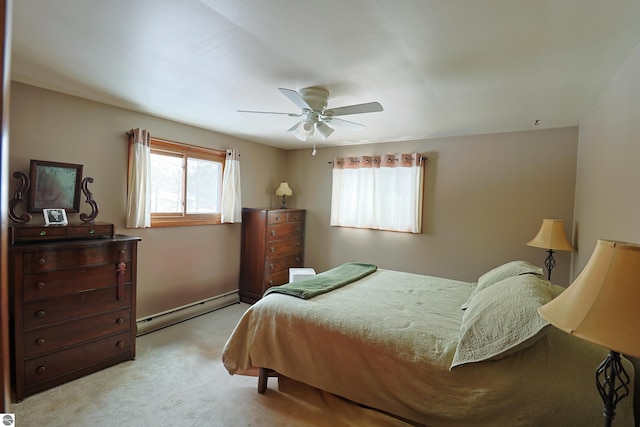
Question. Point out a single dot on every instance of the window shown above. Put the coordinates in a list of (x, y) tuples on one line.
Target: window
[(186, 184), (378, 192)]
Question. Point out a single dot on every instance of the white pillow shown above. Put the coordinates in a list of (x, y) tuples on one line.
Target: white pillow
[(510, 269), (503, 319)]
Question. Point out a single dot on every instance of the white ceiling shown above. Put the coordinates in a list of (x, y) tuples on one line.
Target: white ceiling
[(438, 67)]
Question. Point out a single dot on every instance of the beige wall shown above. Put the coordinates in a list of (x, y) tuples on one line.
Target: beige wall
[(608, 179), (485, 197), (607, 196), (176, 266)]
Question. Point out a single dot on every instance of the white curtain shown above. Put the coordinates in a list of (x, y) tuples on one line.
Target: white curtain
[(139, 180), (231, 201), (378, 192)]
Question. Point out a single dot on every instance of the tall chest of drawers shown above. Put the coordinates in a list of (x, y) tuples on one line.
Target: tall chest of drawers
[(272, 242), (72, 309)]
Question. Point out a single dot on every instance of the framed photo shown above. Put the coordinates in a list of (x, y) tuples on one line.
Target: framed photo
[(54, 186), (55, 216)]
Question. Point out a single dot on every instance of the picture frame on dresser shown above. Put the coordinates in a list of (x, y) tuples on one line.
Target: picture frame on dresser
[(55, 216), (54, 185)]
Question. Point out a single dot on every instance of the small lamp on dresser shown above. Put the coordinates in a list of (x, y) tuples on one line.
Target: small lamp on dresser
[(284, 191), (552, 238), (601, 306)]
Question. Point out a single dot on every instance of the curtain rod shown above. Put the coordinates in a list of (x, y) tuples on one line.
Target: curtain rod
[(422, 158)]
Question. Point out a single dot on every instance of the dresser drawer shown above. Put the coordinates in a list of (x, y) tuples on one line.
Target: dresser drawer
[(284, 231), (296, 216), (283, 264), (41, 313), (42, 233), (63, 335), (276, 217), (283, 216), (276, 279), (57, 283), (63, 362), (60, 259), (278, 248)]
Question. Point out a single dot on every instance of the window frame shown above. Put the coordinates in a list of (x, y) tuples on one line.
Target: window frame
[(186, 151)]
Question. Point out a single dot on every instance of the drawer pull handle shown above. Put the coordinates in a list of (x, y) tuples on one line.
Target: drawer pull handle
[(41, 369), (40, 285), (119, 321), (271, 267), (40, 313), (270, 283), (272, 249), (273, 232), (277, 218), (42, 261), (120, 344), (43, 233), (297, 260), (91, 231), (297, 245), (298, 230), (40, 341)]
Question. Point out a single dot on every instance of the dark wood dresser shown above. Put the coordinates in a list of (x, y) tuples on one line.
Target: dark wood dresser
[(272, 242), (72, 304)]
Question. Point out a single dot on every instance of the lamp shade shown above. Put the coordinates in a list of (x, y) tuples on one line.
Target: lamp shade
[(284, 190), (551, 236), (602, 305)]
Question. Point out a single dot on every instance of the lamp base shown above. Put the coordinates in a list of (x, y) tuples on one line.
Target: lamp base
[(283, 200), (613, 384), (550, 262)]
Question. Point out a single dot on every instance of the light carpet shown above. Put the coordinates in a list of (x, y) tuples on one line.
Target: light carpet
[(178, 379)]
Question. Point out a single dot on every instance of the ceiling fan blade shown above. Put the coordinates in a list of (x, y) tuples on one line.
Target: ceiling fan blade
[(270, 112), (294, 127), (295, 97), (343, 123), (369, 107)]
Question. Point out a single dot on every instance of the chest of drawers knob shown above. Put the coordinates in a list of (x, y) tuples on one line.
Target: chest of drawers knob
[(41, 369), (40, 313), (120, 344), (40, 285), (41, 261), (119, 321), (40, 341)]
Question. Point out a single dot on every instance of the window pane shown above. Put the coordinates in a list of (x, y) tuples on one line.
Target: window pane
[(203, 186), (166, 183)]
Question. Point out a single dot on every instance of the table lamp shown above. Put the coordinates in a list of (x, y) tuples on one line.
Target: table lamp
[(283, 191), (552, 238), (601, 306)]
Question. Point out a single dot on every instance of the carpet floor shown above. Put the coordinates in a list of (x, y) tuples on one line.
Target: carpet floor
[(178, 379)]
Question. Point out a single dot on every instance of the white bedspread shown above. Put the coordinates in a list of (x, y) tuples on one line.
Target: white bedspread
[(388, 340)]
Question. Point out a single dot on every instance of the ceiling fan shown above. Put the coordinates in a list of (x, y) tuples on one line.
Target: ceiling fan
[(315, 115)]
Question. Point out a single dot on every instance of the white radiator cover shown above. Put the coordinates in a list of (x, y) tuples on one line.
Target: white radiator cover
[(161, 320)]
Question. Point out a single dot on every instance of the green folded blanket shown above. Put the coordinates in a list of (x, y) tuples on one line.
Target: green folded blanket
[(325, 281)]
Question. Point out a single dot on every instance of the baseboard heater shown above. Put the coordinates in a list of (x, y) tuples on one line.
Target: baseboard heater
[(157, 321)]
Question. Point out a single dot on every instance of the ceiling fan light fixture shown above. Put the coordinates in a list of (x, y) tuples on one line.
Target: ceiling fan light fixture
[(324, 130), (296, 132), (306, 127)]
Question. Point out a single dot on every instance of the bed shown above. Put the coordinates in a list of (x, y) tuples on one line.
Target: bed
[(429, 350)]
